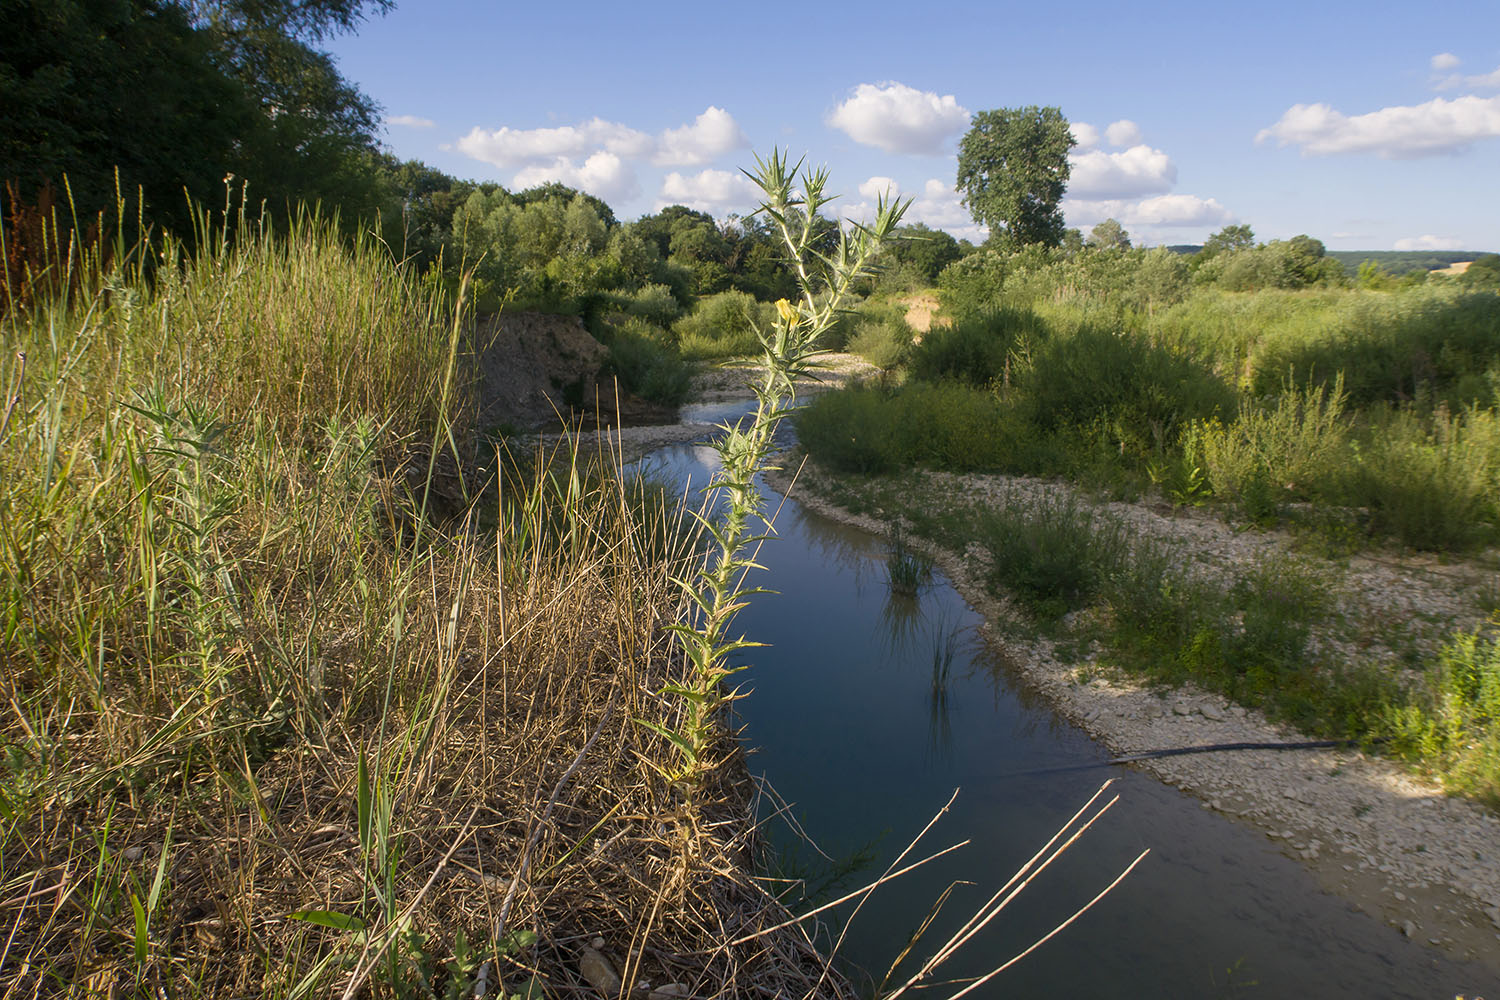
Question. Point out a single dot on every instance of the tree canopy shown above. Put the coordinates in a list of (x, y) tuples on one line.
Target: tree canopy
[(1109, 235), (177, 94), (1013, 170)]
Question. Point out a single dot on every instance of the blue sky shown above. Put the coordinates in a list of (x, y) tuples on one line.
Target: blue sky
[(1370, 125)]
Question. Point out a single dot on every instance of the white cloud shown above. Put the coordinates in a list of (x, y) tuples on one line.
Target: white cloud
[(1123, 133), (715, 191), (603, 175), (877, 186), (1084, 134), (1444, 61), (939, 207), (1479, 81), (1439, 126), (1138, 171), (410, 121), (712, 134), (1163, 210), (1429, 242), (899, 119)]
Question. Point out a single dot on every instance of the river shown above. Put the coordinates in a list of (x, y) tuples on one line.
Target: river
[(846, 721)]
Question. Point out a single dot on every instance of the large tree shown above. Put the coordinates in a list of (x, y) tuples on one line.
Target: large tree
[(178, 93), (1013, 170)]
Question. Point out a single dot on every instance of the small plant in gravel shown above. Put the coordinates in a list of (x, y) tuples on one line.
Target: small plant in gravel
[(789, 349)]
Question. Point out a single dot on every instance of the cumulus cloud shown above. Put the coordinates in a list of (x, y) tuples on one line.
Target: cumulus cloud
[(877, 186), (710, 136), (409, 121), (899, 119), (1163, 210), (1133, 173), (1437, 127), (1084, 134), (604, 175), (1429, 242), (1123, 133), (715, 191), (939, 206), (1480, 81), (1444, 61)]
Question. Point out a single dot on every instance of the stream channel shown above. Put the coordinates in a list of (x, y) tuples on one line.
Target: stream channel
[(844, 721)]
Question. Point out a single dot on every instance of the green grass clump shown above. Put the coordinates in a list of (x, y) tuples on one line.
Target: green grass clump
[(723, 326), (646, 361), (1055, 555), (1431, 483), (979, 349), (1453, 725), (874, 431), (1294, 449), (884, 341)]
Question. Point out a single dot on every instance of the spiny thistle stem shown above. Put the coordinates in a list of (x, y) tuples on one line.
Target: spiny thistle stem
[(716, 592)]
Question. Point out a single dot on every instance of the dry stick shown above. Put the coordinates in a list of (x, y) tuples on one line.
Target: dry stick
[(948, 950), (887, 877), (541, 823), (1056, 930), (990, 910), (15, 395), (1022, 871)]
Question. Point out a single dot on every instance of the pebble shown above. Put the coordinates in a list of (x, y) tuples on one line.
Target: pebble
[(1409, 929), (595, 968), (1212, 712)]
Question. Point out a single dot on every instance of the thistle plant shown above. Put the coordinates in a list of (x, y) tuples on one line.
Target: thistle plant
[(826, 270)]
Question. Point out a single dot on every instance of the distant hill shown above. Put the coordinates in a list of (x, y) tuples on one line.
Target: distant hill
[(1392, 262), (1399, 262)]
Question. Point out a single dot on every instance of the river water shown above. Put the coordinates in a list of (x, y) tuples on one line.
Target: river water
[(846, 720)]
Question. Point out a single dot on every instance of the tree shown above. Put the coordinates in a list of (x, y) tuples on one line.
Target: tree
[(91, 85), (1227, 240), (1013, 170), (1109, 235)]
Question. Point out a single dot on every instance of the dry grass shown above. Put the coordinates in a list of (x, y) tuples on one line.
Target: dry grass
[(266, 730)]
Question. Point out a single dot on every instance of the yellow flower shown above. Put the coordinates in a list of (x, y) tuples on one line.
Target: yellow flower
[(789, 313)]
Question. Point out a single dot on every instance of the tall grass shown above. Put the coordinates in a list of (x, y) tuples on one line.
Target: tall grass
[(268, 730)]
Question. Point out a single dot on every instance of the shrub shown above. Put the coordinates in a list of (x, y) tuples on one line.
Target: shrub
[(1416, 345), (1433, 485), (723, 326), (647, 364), (654, 303), (1454, 723), (1295, 450), (1053, 555), (977, 350), (1121, 389), (885, 343)]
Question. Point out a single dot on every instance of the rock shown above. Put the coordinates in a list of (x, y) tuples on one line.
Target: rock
[(597, 944), (595, 968), (1409, 929), (1182, 708), (1212, 712), (1493, 913)]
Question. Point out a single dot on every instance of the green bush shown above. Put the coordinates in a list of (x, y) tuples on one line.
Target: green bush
[(1415, 345), (1432, 484), (654, 303), (1053, 555), (1119, 389), (1297, 449), (647, 364), (884, 343), (953, 427), (976, 350), (1453, 724), (723, 326)]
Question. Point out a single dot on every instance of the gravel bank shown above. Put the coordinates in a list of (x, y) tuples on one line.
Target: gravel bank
[(1391, 843)]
